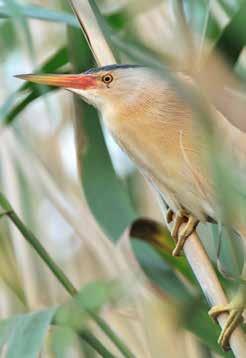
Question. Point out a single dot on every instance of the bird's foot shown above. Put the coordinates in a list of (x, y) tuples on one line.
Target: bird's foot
[(234, 319), (180, 218)]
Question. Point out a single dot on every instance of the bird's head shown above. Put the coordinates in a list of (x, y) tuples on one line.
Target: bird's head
[(101, 86)]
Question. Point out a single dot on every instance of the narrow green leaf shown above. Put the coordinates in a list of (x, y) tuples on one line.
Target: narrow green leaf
[(41, 13), (233, 38), (116, 19), (157, 235), (14, 9), (59, 274), (90, 299), (62, 338), (202, 20), (105, 193), (86, 304), (10, 109), (15, 111), (24, 334), (159, 272), (196, 320), (230, 7), (113, 336), (8, 40), (199, 323), (94, 295)]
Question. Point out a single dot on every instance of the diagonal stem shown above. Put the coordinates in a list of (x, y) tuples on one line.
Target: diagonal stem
[(59, 274), (90, 339)]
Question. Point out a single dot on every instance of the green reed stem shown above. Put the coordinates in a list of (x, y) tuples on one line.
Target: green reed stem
[(60, 275)]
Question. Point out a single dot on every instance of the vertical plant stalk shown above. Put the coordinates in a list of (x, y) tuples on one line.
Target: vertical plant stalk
[(193, 249), (59, 274)]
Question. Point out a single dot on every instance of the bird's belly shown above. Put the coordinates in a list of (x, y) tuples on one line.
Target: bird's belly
[(167, 170)]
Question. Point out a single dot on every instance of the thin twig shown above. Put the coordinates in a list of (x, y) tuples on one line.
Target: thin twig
[(193, 248)]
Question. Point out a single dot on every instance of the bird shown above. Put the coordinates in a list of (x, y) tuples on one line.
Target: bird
[(159, 131)]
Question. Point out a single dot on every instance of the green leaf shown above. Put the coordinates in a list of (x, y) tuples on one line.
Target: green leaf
[(60, 275), (24, 334), (196, 320), (230, 7), (116, 19), (62, 338), (202, 20), (41, 13), (94, 295), (14, 8), (233, 38), (90, 298), (161, 267), (105, 193), (157, 235), (8, 40), (159, 272), (71, 315), (29, 91)]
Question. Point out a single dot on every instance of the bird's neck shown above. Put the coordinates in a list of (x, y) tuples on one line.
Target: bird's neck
[(144, 107)]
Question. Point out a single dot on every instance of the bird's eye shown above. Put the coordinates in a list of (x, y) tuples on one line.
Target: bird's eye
[(107, 79)]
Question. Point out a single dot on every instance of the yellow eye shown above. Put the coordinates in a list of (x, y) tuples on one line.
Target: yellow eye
[(107, 79)]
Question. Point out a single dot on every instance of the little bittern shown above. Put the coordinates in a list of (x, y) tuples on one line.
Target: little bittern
[(156, 128)]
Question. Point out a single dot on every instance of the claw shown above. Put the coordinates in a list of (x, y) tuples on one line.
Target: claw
[(184, 234), (179, 219), (180, 237), (234, 319)]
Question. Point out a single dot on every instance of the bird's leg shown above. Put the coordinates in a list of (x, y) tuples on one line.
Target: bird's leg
[(179, 218), (189, 228), (235, 310)]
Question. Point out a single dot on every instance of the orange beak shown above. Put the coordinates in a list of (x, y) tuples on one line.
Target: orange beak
[(67, 81)]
